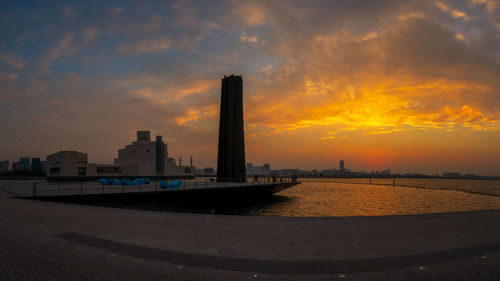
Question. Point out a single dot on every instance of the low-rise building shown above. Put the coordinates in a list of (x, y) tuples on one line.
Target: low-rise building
[(141, 158), (144, 157), (253, 170), (67, 164)]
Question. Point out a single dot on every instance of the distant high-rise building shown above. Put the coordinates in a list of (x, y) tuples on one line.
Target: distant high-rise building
[(25, 163), (4, 166), (16, 166), (36, 166), (267, 167), (386, 172), (341, 165), (231, 152), (249, 169)]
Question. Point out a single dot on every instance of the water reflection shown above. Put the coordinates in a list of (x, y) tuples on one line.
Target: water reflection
[(328, 198)]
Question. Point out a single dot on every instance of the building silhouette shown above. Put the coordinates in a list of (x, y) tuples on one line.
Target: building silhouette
[(341, 164), (25, 163), (36, 166), (4, 166), (231, 153)]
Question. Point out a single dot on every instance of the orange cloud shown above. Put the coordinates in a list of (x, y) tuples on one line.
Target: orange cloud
[(387, 109), (453, 12), (197, 114)]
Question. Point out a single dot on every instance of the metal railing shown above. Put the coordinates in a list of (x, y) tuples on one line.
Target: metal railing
[(93, 187)]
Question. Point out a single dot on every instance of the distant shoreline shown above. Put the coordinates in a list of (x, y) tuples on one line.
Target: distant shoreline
[(10, 177)]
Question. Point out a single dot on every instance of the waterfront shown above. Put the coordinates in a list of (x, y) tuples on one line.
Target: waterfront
[(314, 197), (335, 197), (52, 241)]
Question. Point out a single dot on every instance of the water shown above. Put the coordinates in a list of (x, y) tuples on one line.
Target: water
[(468, 185), (333, 197)]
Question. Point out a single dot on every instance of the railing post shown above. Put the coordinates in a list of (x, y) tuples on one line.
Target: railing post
[(140, 186), (34, 189), (81, 188), (122, 187), (102, 188), (156, 185), (184, 183), (58, 188)]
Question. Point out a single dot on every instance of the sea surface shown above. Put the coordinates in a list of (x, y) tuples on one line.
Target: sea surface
[(356, 197)]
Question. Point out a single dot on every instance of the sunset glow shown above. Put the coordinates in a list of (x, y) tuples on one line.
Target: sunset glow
[(413, 86)]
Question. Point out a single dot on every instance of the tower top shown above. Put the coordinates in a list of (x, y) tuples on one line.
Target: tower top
[(232, 75)]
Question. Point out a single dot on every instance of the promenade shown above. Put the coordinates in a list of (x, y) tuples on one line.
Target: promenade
[(42, 240), (43, 188)]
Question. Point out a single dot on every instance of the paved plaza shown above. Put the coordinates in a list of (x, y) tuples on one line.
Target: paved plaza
[(42, 240)]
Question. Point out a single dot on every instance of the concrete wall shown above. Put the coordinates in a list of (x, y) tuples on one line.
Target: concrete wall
[(140, 154), (67, 163)]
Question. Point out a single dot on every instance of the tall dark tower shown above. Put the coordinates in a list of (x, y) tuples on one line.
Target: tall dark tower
[(231, 157)]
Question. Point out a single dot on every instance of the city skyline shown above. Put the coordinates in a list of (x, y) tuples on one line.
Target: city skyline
[(349, 80)]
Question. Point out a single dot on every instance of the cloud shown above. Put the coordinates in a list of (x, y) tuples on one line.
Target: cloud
[(8, 76), (491, 6), (252, 12), (165, 89), (412, 75), (12, 60), (146, 46), (90, 34), (329, 76), (247, 38), (68, 45), (453, 12), (116, 10), (62, 47), (197, 114)]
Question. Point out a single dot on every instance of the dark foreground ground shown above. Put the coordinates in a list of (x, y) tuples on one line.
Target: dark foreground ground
[(42, 240)]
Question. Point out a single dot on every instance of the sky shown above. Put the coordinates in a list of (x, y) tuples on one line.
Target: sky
[(413, 86)]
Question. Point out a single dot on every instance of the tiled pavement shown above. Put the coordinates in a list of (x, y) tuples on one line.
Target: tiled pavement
[(30, 249)]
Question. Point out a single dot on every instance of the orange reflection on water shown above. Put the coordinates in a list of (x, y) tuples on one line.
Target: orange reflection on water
[(328, 198)]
